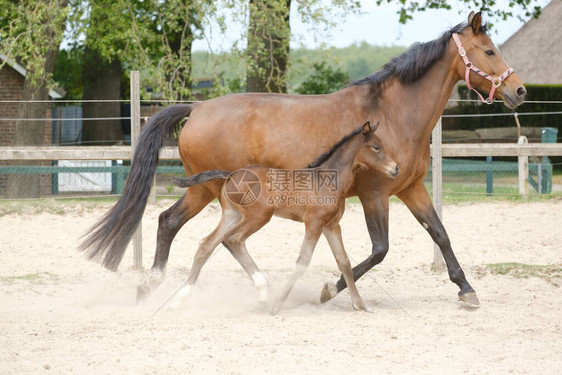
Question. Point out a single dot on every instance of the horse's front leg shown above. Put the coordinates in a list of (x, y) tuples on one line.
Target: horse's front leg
[(418, 202), (311, 236), (332, 232), (375, 208)]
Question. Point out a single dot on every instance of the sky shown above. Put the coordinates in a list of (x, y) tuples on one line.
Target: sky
[(377, 25)]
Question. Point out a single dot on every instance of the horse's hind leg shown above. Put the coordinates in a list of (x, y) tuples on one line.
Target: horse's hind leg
[(229, 219), (333, 235), (240, 253), (169, 223), (235, 241), (307, 248)]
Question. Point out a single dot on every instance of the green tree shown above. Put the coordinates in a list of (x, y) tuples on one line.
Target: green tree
[(68, 72), (269, 34), (490, 8), (153, 36), (101, 75), (323, 80)]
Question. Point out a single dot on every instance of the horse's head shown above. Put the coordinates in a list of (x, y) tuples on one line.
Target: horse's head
[(484, 65), (371, 154)]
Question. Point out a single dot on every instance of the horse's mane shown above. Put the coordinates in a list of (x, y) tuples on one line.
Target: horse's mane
[(416, 61), (326, 155)]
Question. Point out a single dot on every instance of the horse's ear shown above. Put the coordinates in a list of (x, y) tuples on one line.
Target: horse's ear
[(366, 128), (476, 23), (470, 17), (375, 127)]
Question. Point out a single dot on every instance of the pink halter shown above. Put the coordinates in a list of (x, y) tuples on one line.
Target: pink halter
[(496, 82)]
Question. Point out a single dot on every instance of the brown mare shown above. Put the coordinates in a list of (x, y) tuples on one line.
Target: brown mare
[(407, 95), (314, 196)]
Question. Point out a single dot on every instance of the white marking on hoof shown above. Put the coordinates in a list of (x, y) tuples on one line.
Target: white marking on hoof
[(261, 284), (425, 225)]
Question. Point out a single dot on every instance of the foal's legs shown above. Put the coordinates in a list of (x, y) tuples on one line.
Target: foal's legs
[(307, 248), (418, 202), (236, 242), (375, 208), (169, 223), (229, 220), (333, 235)]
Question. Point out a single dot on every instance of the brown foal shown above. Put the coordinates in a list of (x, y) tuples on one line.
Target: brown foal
[(315, 196)]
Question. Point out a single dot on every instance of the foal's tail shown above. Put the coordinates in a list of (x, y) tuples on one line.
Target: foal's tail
[(200, 178), (109, 237)]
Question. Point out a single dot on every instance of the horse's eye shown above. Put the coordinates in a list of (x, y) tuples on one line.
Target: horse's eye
[(376, 148), (490, 52)]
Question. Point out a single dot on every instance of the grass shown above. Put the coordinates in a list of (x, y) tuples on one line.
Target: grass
[(523, 271), (58, 206), (37, 278), (457, 193)]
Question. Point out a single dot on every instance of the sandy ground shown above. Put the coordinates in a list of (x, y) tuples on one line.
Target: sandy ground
[(61, 314)]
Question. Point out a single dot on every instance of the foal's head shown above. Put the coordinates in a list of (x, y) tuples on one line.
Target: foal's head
[(371, 154)]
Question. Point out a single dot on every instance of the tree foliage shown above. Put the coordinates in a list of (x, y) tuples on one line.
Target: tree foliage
[(264, 45), (522, 9), (267, 51), (68, 72), (29, 31), (152, 36), (323, 80), (356, 61)]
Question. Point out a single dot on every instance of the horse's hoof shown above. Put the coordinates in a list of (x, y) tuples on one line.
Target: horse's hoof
[(142, 292), (328, 292), (469, 299), (275, 309), (362, 307)]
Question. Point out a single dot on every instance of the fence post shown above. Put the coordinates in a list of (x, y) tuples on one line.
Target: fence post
[(437, 187), (135, 132), (489, 177), (523, 162)]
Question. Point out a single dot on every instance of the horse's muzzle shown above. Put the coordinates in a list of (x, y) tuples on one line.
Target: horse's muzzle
[(515, 98)]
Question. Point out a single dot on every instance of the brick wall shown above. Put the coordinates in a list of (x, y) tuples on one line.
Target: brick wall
[(11, 85)]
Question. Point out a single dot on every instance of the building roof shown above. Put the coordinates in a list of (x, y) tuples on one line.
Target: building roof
[(55, 93), (535, 50)]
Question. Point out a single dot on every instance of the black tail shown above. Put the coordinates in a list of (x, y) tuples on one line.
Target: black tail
[(109, 237), (200, 178)]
